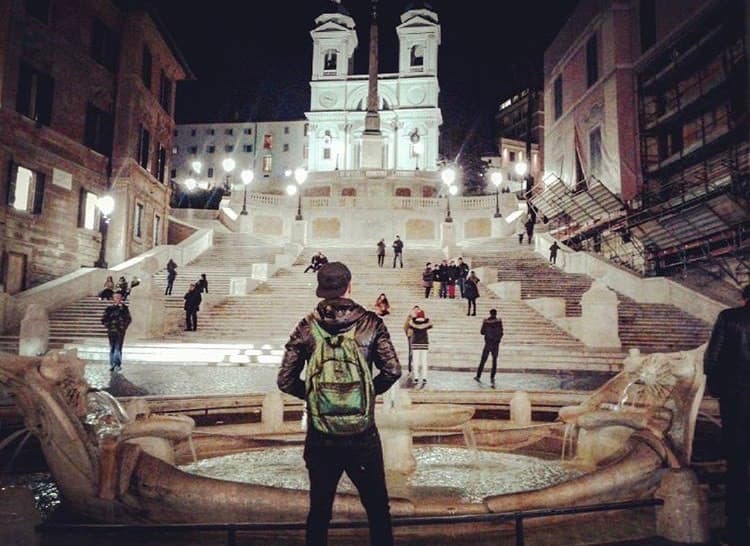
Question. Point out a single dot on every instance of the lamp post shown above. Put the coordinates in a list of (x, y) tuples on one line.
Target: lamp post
[(300, 176), (247, 177), (228, 165), (106, 206), (521, 168), (497, 179), (448, 175)]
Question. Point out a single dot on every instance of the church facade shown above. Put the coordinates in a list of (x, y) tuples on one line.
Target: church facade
[(410, 117)]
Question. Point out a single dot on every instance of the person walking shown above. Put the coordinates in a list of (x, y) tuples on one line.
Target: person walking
[(553, 252), (314, 262), (381, 252), (192, 306), (726, 363), (116, 319), (123, 287), (463, 272), (420, 345), (382, 306), (398, 250), (529, 225), (471, 293), (521, 226), (492, 330), (409, 332), (202, 284), (171, 276), (427, 280), (341, 437)]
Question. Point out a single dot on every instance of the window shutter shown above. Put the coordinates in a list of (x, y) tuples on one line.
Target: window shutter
[(12, 169), (39, 193)]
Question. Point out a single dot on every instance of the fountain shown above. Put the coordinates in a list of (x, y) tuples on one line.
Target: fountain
[(121, 464)]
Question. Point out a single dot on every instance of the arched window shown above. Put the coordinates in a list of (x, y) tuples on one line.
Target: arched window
[(330, 60), (416, 57)]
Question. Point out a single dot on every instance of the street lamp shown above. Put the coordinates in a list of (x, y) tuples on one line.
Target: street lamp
[(247, 177), (300, 176), (497, 179), (197, 166), (228, 165), (448, 175), (190, 184), (106, 205)]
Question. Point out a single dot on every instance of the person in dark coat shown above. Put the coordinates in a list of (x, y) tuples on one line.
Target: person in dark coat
[(443, 277), (171, 276), (192, 306), (427, 280), (328, 456), (314, 262), (471, 293), (398, 251), (381, 252), (529, 225), (123, 288), (116, 319), (492, 330), (453, 273), (202, 284), (726, 363), (553, 252), (463, 272)]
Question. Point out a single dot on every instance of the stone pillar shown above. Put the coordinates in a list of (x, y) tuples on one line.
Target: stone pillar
[(147, 311), (599, 317), (684, 516), (448, 234), (33, 339), (299, 232)]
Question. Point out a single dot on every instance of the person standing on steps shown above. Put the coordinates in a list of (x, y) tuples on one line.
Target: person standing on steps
[(109, 289), (436, 280), (116, 319), (453, 273), (529, 225), (171, 276), (192, 306), (409, 332), (492, 330), (727, 366), (463, 272), (398, 251), (444, 276), (382, 306), (471, 293), (427, 280), (381, 252), (553, 252), (341, 435), (521, 226), (202, 284), (420, 345)]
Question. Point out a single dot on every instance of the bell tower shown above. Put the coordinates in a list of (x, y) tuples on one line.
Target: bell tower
[(334, 41), (419, 38)]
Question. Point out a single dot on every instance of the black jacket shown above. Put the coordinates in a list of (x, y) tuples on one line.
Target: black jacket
[(419, 337), (492, 330), (193, 300), (726, 361), (463, 270), (337, 316), (398, 246), (471, 290)]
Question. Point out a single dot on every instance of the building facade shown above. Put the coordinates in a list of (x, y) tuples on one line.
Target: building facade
[(409, 112), (271, 149), (86, 102)]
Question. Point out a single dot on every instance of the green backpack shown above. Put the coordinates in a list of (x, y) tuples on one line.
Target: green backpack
[(338, 382)]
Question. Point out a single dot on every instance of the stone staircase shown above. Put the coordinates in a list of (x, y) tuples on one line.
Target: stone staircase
[(647, 326)]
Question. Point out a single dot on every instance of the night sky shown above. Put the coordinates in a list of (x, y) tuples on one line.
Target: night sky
[(252, 58)]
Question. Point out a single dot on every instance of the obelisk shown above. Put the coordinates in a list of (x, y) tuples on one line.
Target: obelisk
[(372, 138)]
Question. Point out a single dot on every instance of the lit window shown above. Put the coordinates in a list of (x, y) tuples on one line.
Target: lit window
[(157, 230), (267, 163), (330, 60), (138, 221), (87, 211)]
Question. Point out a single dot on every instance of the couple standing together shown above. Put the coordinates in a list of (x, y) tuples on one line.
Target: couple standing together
[(398, 250)]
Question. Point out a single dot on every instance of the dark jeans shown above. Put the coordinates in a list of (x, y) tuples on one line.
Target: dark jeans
[(443, 289), (362, 460), (461, 284), (116, 340), (381, 259), (399, 257), (472, 305), (170, 283), (735, 433), (191, 320), (427, 290), (493, 349)]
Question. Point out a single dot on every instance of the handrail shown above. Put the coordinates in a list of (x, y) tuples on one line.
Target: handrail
[(232, 528)]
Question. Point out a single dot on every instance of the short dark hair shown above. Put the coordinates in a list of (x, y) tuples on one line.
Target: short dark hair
[(746, 293), (493, 312)]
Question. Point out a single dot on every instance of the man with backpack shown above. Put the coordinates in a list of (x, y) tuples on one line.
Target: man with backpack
[(337, 345)]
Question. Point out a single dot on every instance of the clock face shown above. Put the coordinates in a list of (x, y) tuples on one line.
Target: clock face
[(416, 95), (327, 99)]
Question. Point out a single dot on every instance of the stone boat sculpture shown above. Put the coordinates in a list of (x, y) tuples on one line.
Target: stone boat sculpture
[(120, 465)]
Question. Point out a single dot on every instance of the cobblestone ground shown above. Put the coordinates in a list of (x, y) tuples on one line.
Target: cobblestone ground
[(170, 379)]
